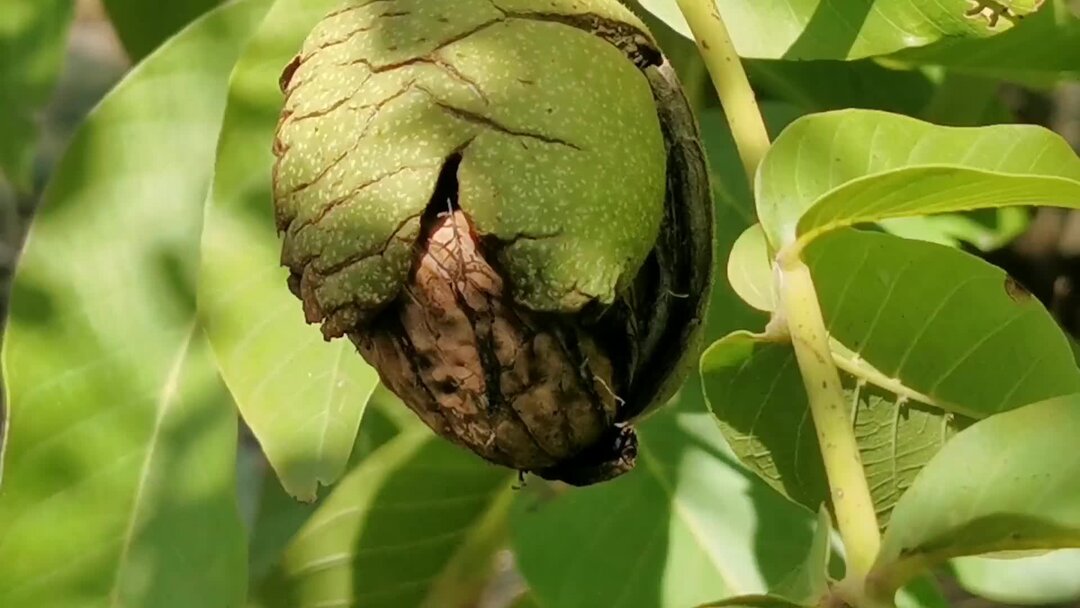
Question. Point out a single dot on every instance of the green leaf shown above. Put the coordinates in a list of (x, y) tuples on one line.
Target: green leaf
[(818, 86), (756, 392), (923, 592), (938, 325), (836, 29), (142, 26), (985, 229), (755, 601), (943, 97), (749, 270), (33, 35), (527, 601), (847, 167), (733, 212), (686, 510), (278, 516), (1034, 581), (119, 472), (302, 397), (1007, 483), (810, 581), (1044, 46), (416, 524), (915, 347)]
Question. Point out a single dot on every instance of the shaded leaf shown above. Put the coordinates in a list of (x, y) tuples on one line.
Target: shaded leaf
[(1043, 46), (142, 26), (119, 471), (756, 601), (1038, 580), (279, 516), (685, 527), (810, 581), (836, 29), (527, 601), (819, 86), (915, 347), (302, 397), (847, 167), (415, 524), (33, 36), (755, 391), (1006, 483)]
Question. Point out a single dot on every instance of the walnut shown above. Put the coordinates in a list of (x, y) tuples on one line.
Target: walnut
[(505, 206)]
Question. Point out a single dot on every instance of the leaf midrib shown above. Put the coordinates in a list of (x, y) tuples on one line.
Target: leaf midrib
[(167, 397), (804, 235)]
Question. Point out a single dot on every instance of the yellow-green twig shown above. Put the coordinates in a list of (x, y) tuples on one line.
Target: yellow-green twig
[(729, 78), (850, 493)]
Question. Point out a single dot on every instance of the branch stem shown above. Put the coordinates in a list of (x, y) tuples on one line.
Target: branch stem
[(849, 491), (799, 308), (729, 78)]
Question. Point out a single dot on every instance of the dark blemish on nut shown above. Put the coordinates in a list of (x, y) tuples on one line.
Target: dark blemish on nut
[(287, 74), (705, 44), (1016, 292)]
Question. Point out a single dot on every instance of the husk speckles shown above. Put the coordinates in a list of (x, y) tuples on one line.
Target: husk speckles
[(533, 128)]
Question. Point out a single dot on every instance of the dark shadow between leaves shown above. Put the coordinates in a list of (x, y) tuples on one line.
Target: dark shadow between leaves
[(832, 30)]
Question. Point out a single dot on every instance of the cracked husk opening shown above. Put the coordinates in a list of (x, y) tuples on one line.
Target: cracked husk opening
[(522, 390)]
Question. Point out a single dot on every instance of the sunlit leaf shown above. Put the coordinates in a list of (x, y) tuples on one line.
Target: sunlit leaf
[(415, 524), (923, 592), (749, 271), (302, 397), (119, 473), (1038, 580), (33, 35), (1006, 483), (837, 29), (854, 166), (939, 323), (984, 229)]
